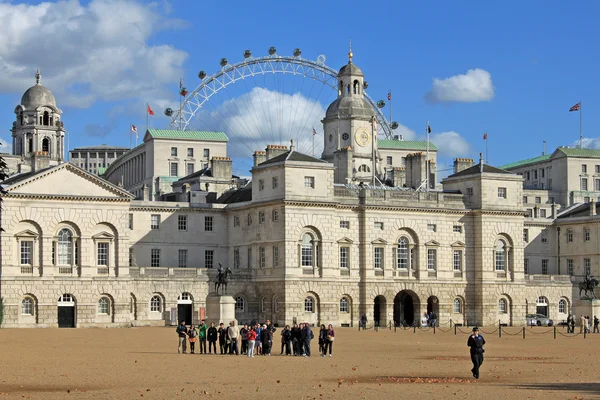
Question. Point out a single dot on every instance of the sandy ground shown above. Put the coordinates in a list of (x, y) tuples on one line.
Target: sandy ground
[(143, 362)]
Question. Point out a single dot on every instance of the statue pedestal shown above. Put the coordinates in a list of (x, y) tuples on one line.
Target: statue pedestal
[(220, 308), (589, 307)]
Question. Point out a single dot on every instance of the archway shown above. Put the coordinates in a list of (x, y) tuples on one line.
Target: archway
[(46, 145), (379, 310), (406, 308), (185, 308), (66, 311), (433, 306)]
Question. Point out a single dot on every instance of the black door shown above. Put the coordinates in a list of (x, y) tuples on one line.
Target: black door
[(184, 313), (66, 317), (408, 308), (377, 311)]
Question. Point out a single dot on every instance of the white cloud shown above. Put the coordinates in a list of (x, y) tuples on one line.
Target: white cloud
[(588, 143), (5, 147), (88, 52), (405, 132), (476, 85), (451, 144)]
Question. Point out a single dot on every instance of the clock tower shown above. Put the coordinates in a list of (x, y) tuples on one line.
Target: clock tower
[(350, 132)]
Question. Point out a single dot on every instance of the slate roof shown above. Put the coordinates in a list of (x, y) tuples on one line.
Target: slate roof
[(22, 176), (196, 135), (476, 169), (292, 155), (406, 144), (571, 152), (580, 210), (567, 151), (236, 196)]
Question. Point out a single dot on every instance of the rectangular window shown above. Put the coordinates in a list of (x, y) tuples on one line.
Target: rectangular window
[(261, 217), (528, 176), (262, 258), (26, 252), (544, 267), (155, 258), (586, 235), (345, 224), (261, 185), (388, 160), (344, 257), (524, 199), (597, 169), (378, 257), (538, 200), (378, 226), (274, 182), (208, 224), (275, 215), (569, 266), (275, 256), (131, 258), (549, 184), (569, 236), (584, 184), (236, 220), (209, 257), (249, 219), (431, 259), (544, 236), (103, 253), (432, 227), (236, 258), (207, 153), (584, 168), (457, 260), (250, 258), (182, 222), (526, 266), (542, 173), (457, 229), (190, 168), (183, 253), (543, 213), (190, 152), (309, 182), (173, 151), (587, 266), (526, 235), (502, 192), (535, 174), (130, 221), (174, 169), (597, 185), (469, 191), (155, 221)]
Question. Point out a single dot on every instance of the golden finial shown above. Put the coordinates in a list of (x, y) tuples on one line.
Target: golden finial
[(38, 77), (350, 55)]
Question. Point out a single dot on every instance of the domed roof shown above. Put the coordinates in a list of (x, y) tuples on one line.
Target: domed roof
[(38, 95), (350, 69), (347, 106)]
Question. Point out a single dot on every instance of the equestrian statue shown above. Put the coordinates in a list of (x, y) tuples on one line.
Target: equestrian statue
[(222, 279), (587, 286)]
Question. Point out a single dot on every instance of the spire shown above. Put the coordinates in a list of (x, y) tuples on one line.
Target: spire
[(350, 55), (38, 77)]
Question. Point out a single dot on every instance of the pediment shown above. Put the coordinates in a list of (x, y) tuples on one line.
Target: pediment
[(432, 243), (66, 180), (379, 241), (458, 243), (345, 240), (27, 233), (103, 236)]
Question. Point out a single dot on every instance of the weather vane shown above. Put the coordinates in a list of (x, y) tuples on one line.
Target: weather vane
[(350, 55)]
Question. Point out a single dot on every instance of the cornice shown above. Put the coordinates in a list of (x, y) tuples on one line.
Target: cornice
[(66, 197), (147, 208)]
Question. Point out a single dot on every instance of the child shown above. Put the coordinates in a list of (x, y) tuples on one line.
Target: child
[(193, 337)]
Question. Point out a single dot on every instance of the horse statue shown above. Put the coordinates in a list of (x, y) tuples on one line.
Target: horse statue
[(587, 286), (222, 279)]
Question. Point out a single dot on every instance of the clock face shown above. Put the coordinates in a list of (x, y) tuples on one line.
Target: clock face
[(362, 137), (345, 136)]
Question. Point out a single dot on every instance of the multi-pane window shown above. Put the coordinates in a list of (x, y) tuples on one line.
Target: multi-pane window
[(209, 257), (208, 224), (236, 220), (26, 252), (262, 258), (431, 259), (544, 267), (275, 256), (388, 160), (309, 305), (544, 237), (182, 222), (27, 306), (104, 306), (155, 304), (239, 304), (597, 184), (174, 167), (529, 213), (378, 257), (130, 221), (457, 228), (432, 227), (562, 306), (584, 168), (378, 226), (586, 235), (190, 152), (502, 306), (345, 224), (206, 153), (526, 266), (344, 305), (402, 255), (597, 169), (584, 184), (274, 182), (502, 192), (500, 256), (344, 257), (469, 191), (307, 250), (543, 213), (457, 260), (569, 236), (65, 247), (190, 168), (309, 182), (183, 257), (526, 235), (102, 253), (155, 221), (569, 266), (261, 185), (538, 200), (261, 217), (587, 266), (275, 215), (250, 258), (155, 258), (457, 306), (236, 258), (173, 151)]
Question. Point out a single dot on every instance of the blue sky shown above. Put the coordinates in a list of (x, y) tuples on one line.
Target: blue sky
[(529, 62)]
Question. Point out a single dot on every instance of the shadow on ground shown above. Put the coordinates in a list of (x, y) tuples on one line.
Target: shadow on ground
[(590, 387)]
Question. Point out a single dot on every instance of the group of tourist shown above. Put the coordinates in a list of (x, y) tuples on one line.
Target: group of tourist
[(585, 324), (251, 340)]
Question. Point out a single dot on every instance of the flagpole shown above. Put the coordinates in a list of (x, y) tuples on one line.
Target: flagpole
[(129, 138), (486, 149), (580, 125), (313, 147), (180, 104), (391, 107), (147, 116), (374, 166), (427, 159)]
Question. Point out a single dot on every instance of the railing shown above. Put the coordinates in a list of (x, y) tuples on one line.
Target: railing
[(308, 271), (185, 271), (344, 272), (27, 269), (65, 270), (404, 195), (102, 271), (378, 272)]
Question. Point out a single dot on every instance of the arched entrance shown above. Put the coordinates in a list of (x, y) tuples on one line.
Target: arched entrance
[(379, 310), (185, 308), (66, 311), (406, 308), (433, 306)]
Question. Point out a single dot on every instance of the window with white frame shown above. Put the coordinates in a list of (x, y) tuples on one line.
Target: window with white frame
[(344, 257), (155, 304), (502, 306), (65, 247), (275, 215), (345, 224), (261, 185), (239, 303), (173, 151), (182, 222), (542, 213), (274, 182), (155, 221), (174, 169), (307, 250), (584, 184), (236, 258), (208, 224), (378, 257), (344, 305), (431, 259), (275, 256), (388, 160), (155, 258), (432, 227), (102, 250), (587, 266), (182, 258), (457, 228), (378, 226), (190, 152), (457, 306), (190, 168), (500, 255), (209, 257), (569, 236), (457, 257), (562, 306), (569, 266), (26, 252), (586, 235), (104, 306), (402, 256), (206, 153), (262, 258), (544, 267), (261, 217), (309, 304), (502, 192), (27, 306), (309, 182), (538, 200)]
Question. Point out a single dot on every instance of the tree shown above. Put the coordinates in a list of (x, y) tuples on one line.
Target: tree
[(3, 176)]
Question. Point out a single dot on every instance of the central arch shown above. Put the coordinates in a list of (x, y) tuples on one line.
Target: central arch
[(406, 308)]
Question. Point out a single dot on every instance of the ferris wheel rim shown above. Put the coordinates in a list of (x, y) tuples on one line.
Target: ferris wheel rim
[(188, 108)]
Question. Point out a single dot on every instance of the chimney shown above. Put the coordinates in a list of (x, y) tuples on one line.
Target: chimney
[(221, 167), (259, 157), (460, 164), (273, 150), (553, 210), (480, 162), (40, 160), (592, 208), (415, 170), (146, 193)]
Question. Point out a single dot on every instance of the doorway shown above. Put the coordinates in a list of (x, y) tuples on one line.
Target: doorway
[(379, 311), (66, 311), (406, 307), (185, 308)]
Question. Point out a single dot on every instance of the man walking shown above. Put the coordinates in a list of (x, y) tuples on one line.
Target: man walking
[(569, 322), (476, 342), (182, 333)]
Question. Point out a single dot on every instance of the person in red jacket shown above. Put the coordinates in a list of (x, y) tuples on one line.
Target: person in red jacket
[(251, 338)]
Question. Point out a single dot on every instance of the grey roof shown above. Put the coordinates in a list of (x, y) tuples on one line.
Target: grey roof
[(236, 195), (476, 169), (100, 147), (292, 155), (350, 106), (580, 210), (350, 69), (36, 96), (22, 176)]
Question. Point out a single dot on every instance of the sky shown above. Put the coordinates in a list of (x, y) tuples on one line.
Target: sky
[(511, 69)]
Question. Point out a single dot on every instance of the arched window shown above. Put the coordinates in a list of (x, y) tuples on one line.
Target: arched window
[(364, 168), (502, 306), (356, 85), (403, 253), (307, 250), (239, 303), (46, 145), (344, 305), (30, 144), (104, 306), (309, 305), (457, 306), (562, 306), (500, 255), (27, 306), (46, 118), (341, 88), (65, 247), (155, 304), (348, 89)]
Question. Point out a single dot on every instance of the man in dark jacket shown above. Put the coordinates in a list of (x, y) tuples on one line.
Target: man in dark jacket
[(476, 342), (182, 337), (307, 336), (212, 335), (222, 338), (266, 337), (296, 337), (243, 333)]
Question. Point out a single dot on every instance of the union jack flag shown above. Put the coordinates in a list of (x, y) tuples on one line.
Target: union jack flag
[(576, 107)]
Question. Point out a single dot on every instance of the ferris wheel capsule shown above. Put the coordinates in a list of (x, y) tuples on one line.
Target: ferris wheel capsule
[(297, 52), (381, 104), (247, 54), (272, 50), (223, 62), (365, 85), (168, 112), (201, 74), (394, 125)]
